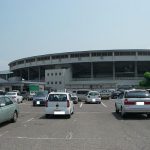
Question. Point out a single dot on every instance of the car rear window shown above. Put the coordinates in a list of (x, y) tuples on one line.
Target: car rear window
[(137, 94), (57, 97), (93, 93)]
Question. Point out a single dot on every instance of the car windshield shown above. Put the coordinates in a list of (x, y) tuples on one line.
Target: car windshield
[(57, 97), (137, 94), (93, 93), (10, 93), (41, 94)]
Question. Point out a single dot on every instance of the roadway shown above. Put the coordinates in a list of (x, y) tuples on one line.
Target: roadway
[(91, 127)]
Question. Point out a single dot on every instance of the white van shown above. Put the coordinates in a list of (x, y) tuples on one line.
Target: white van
[(81, 93)]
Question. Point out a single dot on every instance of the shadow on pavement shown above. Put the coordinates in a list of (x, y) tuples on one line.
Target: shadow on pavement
[(54, 117), (130, 116)]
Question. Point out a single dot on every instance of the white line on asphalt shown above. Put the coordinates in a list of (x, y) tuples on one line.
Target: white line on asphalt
[(28, 120), (3, 133), (81, 104), (103, 104), (48, 138)]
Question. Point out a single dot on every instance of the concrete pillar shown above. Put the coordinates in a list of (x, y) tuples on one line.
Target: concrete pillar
[(91, 70), (39, 74), (28, 74)]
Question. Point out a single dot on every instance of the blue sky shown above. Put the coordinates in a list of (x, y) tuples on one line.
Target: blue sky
[(36, 27)]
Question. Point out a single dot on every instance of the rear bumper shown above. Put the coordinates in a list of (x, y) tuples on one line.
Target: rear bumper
[(139, 109), (54, 111)]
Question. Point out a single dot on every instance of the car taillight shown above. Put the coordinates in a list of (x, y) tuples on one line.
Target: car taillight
[(46, 103), (126, 102), (68, 103), (147, 103)]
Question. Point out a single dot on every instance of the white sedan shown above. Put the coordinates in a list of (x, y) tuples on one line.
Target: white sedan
[(15, 96)]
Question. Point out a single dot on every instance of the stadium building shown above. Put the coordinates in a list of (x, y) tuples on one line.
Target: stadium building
[(95, 69)]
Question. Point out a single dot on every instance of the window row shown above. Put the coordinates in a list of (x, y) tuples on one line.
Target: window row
[(56, 82), (52, 74)]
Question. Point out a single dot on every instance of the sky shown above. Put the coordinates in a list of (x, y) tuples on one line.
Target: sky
[(38, 27)]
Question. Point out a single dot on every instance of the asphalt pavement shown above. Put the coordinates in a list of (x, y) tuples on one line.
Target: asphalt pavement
[(91, 127)]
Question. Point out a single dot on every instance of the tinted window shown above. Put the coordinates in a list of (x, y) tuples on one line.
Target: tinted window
[(93, 93), (57, 97), (8, 101), (41, 94), (137, 94), (2, 100), (82, 92)]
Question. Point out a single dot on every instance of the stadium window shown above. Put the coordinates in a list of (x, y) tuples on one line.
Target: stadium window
[(55, 74), (51, 82), (47, 74), (60, 73), (56, 82), (51, 74), (59, 82)]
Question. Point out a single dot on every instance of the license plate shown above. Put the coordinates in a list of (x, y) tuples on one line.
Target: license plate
[(139, 103), (59, 112), (38, 102)]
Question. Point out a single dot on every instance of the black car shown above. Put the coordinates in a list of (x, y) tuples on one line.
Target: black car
[(40, 98), (115, 94)]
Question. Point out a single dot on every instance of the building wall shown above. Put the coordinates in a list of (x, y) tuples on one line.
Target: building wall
[(56, 79)]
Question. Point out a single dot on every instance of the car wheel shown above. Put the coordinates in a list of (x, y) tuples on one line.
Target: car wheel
[(15, 117), (123, 114), (148, 115), (68, 116), (117, 110), (47, 115)]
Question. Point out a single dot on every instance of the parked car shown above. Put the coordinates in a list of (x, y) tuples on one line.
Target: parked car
[(59, 103), (2, 92), (9, 110), (105, 94), (15, 96), (40, 98), (115, 94), (25, 95), (133, 101), (81, 93), (74, 98), (93, 97), (31, 95)]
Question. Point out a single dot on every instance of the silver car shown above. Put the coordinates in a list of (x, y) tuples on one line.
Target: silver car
[(133, 101), (93, 97), (59, 103), (8, 109)]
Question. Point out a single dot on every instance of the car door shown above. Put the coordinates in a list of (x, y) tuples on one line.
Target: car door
[(119, 100), (9, 107), (2, 115)]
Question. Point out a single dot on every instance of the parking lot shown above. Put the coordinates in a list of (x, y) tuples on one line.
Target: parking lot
[(91, 127)]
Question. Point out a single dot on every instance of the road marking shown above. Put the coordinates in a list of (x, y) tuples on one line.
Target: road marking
[(3, 133), (81, 104), (69, 136), (49, 138), (28, 120), (103, 104)]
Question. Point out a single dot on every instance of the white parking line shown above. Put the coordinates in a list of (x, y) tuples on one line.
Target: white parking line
[(3, 133), (103, 104), (81, 104), (49, 138), (28, 120)]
